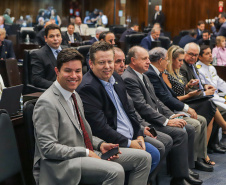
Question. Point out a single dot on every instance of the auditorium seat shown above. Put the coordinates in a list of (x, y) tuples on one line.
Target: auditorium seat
[(165, 42), (27, 115), (9, 156), (23, 36), (27, 75), (84, 50), (133, 40)]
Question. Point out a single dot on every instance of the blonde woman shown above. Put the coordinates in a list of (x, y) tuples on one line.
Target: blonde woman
[(220, 51)]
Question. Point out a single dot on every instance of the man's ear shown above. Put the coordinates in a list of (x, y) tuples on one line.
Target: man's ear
[(56, 71), (91, 64)]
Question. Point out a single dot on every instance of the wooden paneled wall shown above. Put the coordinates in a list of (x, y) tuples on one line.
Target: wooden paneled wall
[(182, 15)]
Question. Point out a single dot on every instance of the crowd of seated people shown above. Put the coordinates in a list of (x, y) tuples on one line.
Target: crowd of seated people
[(114, 106)]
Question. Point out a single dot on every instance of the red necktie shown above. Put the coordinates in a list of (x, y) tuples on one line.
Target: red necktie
[(85, 134)]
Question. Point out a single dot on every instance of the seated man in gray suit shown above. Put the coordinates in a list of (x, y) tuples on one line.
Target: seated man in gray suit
[(65, 151), (161, 117), (43, 61)]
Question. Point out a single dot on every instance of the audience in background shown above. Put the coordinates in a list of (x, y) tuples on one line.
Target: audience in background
[(99, 30), (70, 36), (219, 52), (191, 37), (6, 15), (6, 46), (40, 36), (205, 39), (222, 30), (200, 29), (3, 25), (132, 30), (55, 17), (158, 17), (82, 29), (43, 61), (102, 19), (147, 41)]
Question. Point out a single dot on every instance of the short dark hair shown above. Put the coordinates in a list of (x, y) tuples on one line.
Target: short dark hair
[(202, 48), (192, 32), (70, 24), (201, 22), (206, 31), (223, 14), (99, 46), (51, 27), (67, 55), (103, 34)]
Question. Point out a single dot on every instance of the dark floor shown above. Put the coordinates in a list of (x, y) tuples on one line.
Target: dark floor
[(217, 177)]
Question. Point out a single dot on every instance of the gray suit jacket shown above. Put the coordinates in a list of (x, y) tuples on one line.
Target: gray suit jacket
[(59, 140), (145, 100)]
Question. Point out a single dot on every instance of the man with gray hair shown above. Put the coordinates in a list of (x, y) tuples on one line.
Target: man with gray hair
[(3, 25), (152, 110), (99, 30), (154, 36), (159, 60), (189, 71), (6, 46)]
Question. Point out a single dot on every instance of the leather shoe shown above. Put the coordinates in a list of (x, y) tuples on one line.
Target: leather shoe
[(217, 149), (178, 181), (199, 165), (193, 174), (192, 180)]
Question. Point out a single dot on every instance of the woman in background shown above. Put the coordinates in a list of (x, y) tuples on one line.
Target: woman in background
[(220, 51), (55, 17)]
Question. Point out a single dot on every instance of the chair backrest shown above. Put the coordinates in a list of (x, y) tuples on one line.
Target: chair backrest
[(9, 156), (27, 115), (83, 50), (184, 32), (24, 33), (118, 29), (133, 40), (27, 73), (10, 72), (165, 42)]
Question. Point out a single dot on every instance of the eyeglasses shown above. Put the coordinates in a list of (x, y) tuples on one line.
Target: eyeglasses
[(193, 55)]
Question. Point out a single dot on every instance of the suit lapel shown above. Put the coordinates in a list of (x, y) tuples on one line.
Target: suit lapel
[(66, 108), (49, 53)]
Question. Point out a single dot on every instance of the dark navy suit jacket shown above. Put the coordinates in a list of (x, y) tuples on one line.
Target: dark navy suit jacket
[(163, 92), (6, 50), (100, 111), (185, 40), (146, 42), (127, 32), (93, 40)]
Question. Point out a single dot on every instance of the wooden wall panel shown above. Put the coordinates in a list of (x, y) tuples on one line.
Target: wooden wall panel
[(182, 15), (138, 10)]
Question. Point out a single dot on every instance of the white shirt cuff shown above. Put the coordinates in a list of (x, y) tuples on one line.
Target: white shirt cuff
[(186, 107), (129, 143), (166, 122), (204, 94), (87, 152)]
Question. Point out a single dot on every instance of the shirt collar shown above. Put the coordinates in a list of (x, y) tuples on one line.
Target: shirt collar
[(152, 38), (140, 75), (203, 65), (69, 34), (65, 93), (111, 81), (53, 50), (155, 69)]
